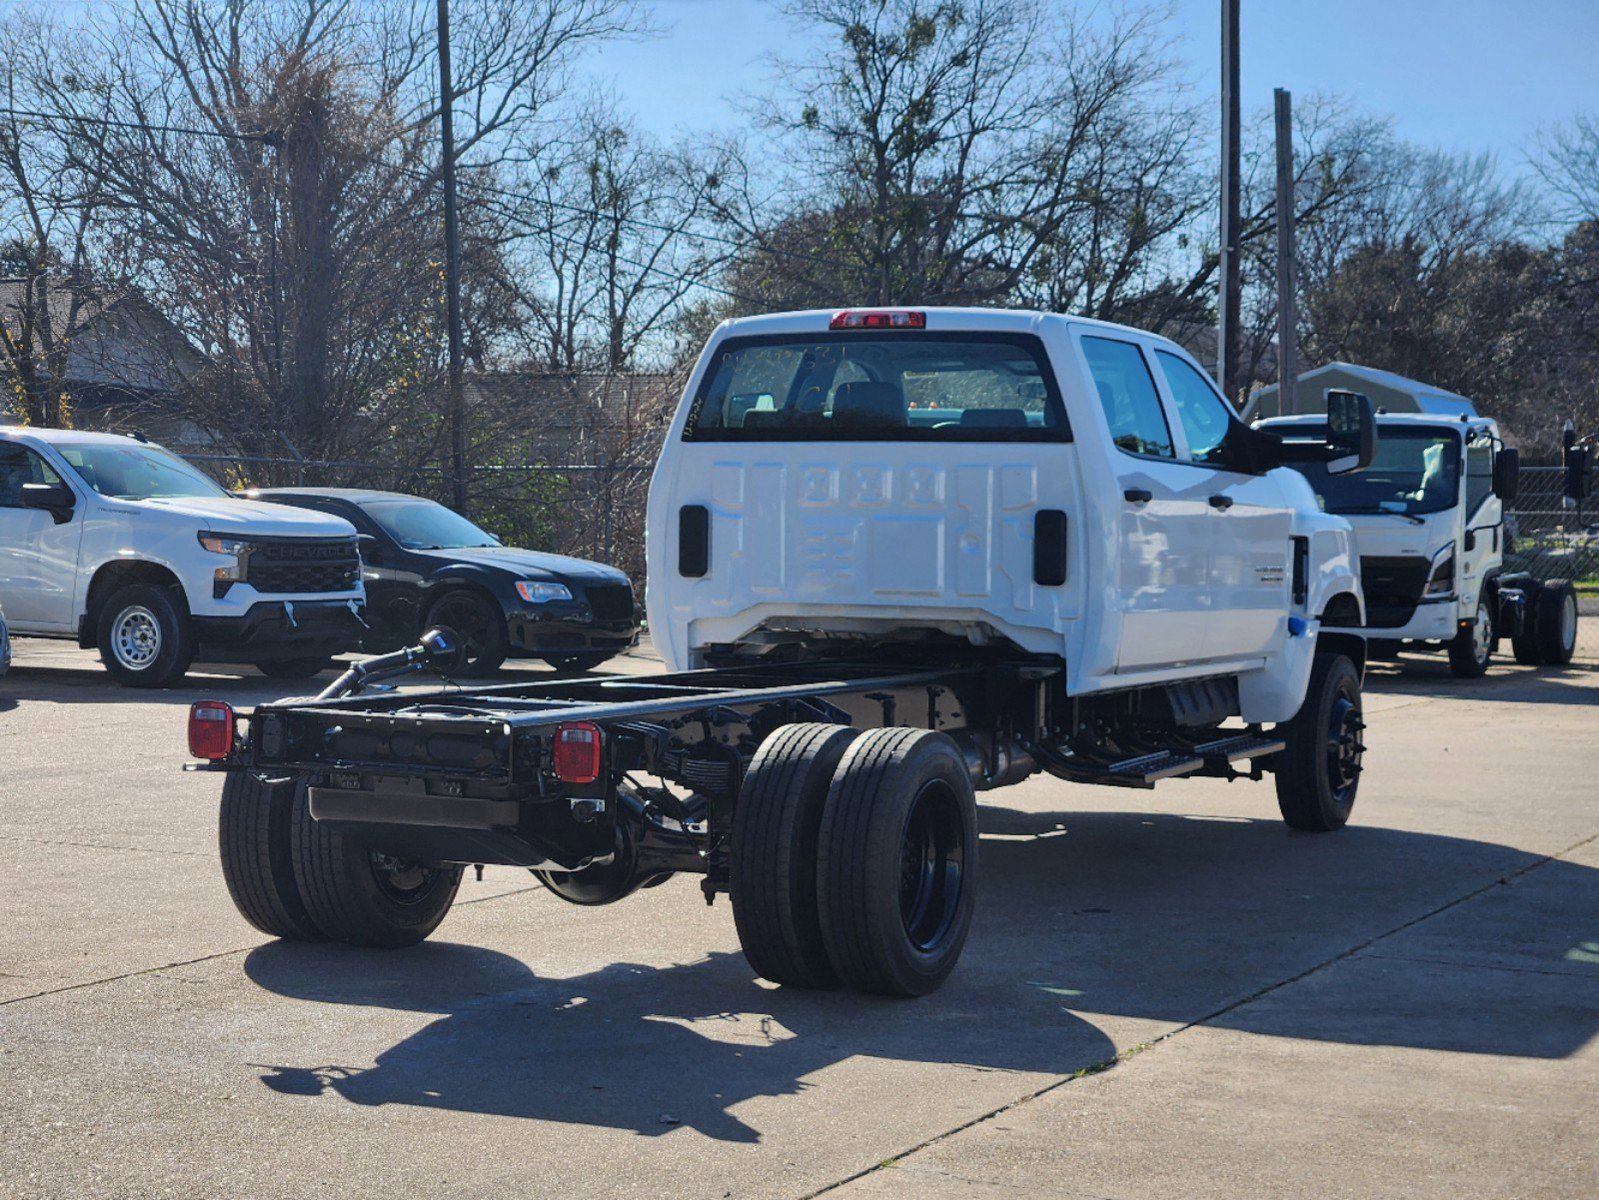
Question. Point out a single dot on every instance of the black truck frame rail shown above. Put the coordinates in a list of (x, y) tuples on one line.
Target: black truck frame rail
[(471, 776)]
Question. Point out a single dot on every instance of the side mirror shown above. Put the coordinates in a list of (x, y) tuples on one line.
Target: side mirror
[(54, 498), (446, 652), (366, 543), (1351, 432), (1579, 472), (1507, 474)]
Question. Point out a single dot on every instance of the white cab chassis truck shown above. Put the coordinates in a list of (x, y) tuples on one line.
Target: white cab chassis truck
[(119, 545), (895, 558), (1428, 517)]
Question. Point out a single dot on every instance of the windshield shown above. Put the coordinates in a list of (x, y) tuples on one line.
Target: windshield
[(424, 525), (1416, 471), (896, 387), (137, 472)]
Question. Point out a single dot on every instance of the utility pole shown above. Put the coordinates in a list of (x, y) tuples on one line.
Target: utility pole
[(1228, 310), (452, 263), (1287, 315)]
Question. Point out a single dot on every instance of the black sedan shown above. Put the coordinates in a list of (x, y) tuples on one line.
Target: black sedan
[(425, 565)]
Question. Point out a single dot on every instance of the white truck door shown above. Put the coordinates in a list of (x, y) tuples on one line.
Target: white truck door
[(38, 557), (1161, 589), (1251, 553)]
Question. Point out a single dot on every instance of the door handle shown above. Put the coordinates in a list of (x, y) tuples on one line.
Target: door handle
[(1221, 502), (1138, 495)]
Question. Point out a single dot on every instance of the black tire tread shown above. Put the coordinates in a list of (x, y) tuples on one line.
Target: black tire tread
[(253, 838), (849, 859), (1546, 627), (773, 854), (326, 868), (1300, 768)]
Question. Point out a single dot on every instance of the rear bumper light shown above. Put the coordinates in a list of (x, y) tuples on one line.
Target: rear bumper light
[(579, 750), (212, 728)]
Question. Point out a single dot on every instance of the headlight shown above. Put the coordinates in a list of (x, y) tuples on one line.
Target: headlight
[(1441, 576), (536, 592), (219, 543)]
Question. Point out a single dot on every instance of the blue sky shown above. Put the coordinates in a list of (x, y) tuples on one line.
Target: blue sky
[(1462, 74)]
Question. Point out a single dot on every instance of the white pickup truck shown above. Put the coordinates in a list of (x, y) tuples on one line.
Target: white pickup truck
[(120, 545), (896, 557), (1429, 523)]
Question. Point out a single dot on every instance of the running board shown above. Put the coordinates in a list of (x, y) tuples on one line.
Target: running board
[(1213, 757)]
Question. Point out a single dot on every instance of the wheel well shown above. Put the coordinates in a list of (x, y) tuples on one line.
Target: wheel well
[(1343, 609), (119, 574), (1351, 645)]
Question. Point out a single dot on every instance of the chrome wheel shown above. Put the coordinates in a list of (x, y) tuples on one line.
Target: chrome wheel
[(1568, 623), (136, 638)]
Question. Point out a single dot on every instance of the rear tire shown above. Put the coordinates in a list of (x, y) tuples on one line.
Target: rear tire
[(776, 824), (1318, 773), (896, 864), (145, 636), (253, 837), (1555, 627), (295, 668), (1471, 650), (358, 896)]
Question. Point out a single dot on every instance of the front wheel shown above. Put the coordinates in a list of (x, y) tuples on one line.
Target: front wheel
[(358, 895), (897, 862), (145, 637), (1472, 648), (481, 626), (1318, 772)]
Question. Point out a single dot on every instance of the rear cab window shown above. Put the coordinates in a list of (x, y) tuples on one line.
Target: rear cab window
[(903, 386)]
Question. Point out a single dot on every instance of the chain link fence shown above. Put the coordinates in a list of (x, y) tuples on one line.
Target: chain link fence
[(1548, 538)]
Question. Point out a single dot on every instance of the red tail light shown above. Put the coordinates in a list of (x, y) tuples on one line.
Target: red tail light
[(878, 318), (578, 747), (211, 730)]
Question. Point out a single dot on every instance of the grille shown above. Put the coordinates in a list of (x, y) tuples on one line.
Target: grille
[(611, 602), (1393, 589), (293, 565)]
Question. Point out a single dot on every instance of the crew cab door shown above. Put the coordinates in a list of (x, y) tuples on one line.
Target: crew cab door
[(1161, 585), (1249, 517), (38, 556)]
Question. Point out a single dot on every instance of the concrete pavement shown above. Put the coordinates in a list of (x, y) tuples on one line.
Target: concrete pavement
[(1165, 993)]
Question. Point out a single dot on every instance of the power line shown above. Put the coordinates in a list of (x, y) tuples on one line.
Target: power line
[(267, 137)]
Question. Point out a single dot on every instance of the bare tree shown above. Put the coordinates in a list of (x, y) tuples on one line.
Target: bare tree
[(276, 162)]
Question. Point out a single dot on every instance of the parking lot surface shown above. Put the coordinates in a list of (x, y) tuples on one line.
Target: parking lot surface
[(1165, 994)]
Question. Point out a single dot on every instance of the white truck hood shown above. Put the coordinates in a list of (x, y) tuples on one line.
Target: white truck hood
[(221, 514)]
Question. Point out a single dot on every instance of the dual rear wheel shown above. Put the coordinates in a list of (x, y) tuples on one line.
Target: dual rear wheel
[(297, 879), (854, 859)]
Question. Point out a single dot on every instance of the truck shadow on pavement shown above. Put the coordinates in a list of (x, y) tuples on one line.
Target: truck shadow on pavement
[(1363, 938)]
